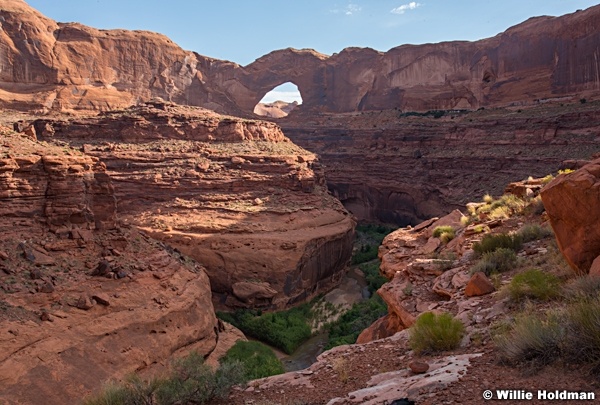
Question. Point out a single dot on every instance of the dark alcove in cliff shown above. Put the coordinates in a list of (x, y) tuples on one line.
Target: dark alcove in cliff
[(279, 102)]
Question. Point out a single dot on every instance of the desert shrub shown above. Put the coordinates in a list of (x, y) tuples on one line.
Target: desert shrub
[(439, 230), (534, 284), (490, 243), (583, 287), (583, 333), (496, 261), (285, 330), (488, 199), (348, 326), (571, 334), (258, 359), (434, 333), (190, 381), (534, 232), (501, 212), (531, 339), (465, 220), (446, 233)]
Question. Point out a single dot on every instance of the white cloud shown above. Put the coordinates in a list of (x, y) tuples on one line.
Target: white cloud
[(350, 9), (403, 8)]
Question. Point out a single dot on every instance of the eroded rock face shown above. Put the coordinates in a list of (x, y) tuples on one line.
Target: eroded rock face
[(572, 203), (544, 57), (234, 194), (396, 168), (83, 300)]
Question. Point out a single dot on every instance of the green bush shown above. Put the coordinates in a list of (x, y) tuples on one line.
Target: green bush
[(534, 232), (434, 333), (258, 359), (571, 335), (194, 382), (531, 339), (582, 345), (439, 230), (190, 381), (496, 261), (583, 287), (348, 326), (534, 284), (490, 243), (285, 330)]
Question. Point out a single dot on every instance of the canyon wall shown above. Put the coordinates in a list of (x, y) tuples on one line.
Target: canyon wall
[(400, 168), (234, 194), (82, 298), (59, 66)]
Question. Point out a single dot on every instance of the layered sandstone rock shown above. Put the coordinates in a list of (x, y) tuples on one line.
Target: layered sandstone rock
[(70, 66), (572, 203), (234, 194), (400, 168), (83, 300)]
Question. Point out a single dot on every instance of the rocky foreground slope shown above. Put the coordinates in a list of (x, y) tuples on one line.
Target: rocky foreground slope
[(427, 275), (404, 168), (70, 66), (234, 194), (83, 299)]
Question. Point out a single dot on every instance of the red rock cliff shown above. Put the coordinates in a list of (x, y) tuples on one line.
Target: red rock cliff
[(82, 300), (70, 66), (234, 194)]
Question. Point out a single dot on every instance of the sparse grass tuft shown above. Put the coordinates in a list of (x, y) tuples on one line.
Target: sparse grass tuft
[(439, 230), (571, 334), (434, 333), (531, 339), (533, 232), (583, 287), (497, 261), (490, 243), (446, 233), (534, 284)]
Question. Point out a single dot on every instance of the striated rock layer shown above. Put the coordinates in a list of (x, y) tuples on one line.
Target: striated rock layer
[(83, 300), (400, 168), (234, 194), (71, 66)]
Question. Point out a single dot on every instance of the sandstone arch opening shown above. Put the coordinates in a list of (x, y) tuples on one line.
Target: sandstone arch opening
[(279, 102)]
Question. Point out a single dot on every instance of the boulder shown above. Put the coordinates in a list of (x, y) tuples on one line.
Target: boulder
[(571, 202), (478, 285), (595, 269)]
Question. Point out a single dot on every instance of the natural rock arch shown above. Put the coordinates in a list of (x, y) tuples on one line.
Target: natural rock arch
[(279, 101)]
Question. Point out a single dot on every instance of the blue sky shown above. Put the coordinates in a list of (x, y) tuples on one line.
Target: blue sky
[(243, 30)]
